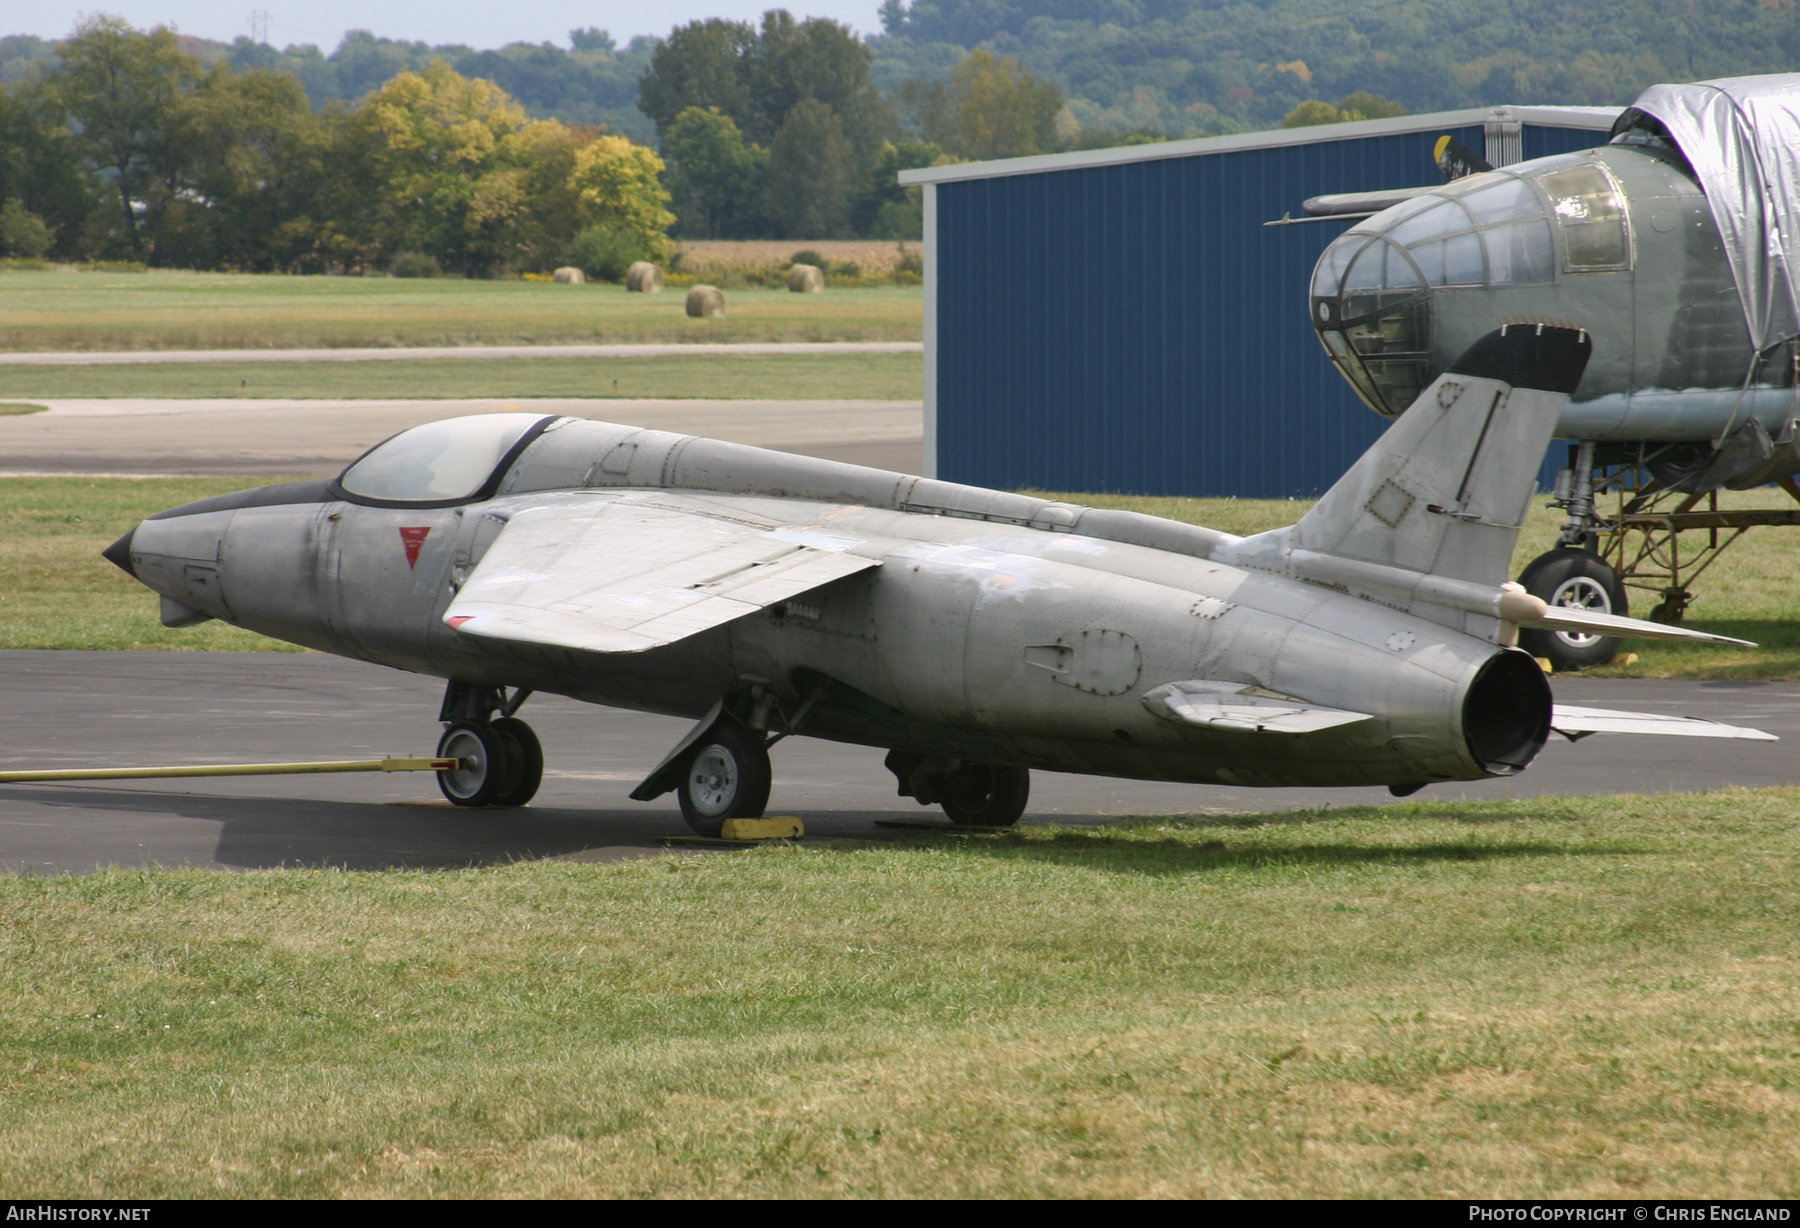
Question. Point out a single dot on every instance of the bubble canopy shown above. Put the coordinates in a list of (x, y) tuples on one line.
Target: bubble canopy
[(442, 463)]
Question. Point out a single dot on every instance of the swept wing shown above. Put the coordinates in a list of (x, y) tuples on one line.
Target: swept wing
[(618, 575)]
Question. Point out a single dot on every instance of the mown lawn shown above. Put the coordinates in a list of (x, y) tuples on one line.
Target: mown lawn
[(172, 310), (794, 377), (1587, 998)]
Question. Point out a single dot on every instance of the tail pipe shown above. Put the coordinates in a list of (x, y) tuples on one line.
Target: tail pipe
[(1506, 713)]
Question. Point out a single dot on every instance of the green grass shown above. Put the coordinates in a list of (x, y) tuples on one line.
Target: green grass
[(13, 409), (168, 310), (806, 377), (1579, 998)]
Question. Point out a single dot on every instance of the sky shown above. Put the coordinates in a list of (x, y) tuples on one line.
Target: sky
[(477, 23)]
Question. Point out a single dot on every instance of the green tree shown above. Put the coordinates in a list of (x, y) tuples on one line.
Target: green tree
[(812, 172), (41, 169), (882, 209), (715, 176), (703, 64), (120, 88), (1350, 108), (251, 161), (22, 232), (817, 59), (620, 190), (991, 107)]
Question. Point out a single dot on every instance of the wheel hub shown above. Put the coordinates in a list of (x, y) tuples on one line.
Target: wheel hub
[(1585, 594), (715, 777)]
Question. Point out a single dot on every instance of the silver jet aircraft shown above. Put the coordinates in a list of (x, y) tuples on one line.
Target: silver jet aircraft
[(974, 634)]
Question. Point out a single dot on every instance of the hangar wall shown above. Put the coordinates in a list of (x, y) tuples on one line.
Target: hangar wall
[(1121, 320)]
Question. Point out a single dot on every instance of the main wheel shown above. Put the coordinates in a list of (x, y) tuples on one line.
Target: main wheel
[(1575, 580), (525, 762), (484, 763), (727, 777), (982, 795)]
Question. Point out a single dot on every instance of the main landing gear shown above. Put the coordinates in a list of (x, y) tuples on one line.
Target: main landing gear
[(502, 760), (720, 770), (727, 777), (972, 794)]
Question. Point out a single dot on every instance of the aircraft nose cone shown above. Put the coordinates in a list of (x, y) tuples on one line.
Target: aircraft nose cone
[(119, 555)]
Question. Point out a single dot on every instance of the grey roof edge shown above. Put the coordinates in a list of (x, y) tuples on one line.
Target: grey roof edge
[(1599, 119)]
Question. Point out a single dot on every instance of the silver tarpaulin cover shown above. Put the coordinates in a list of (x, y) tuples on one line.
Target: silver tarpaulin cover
[(1742, 137)]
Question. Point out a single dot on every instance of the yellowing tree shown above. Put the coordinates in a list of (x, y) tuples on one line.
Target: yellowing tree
[(619, 188), (449, 156), (991, 108)]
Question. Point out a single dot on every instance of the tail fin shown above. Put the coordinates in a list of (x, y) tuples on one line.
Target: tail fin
[(1445, 490)]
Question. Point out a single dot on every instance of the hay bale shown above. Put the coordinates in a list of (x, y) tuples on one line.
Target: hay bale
[(806, 279), (644, 278), (569, 275), (705, 302)]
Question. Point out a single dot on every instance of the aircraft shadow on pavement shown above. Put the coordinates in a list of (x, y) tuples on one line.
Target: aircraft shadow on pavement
[(267, 833)]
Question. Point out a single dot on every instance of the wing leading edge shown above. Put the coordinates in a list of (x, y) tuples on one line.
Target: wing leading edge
[(617, 576)]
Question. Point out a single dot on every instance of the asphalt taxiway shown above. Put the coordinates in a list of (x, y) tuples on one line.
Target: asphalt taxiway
[(97, 709)]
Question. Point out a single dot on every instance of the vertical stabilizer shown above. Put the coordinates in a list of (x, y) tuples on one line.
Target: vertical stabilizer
[(1445, 490)]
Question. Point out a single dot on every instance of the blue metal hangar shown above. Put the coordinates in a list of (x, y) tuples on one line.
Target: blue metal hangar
[(1121, 319)]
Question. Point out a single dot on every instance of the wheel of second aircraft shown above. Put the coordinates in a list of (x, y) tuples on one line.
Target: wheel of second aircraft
[(727, 777), (525, 762), (1577, 580), (982, 795), (484, 767)]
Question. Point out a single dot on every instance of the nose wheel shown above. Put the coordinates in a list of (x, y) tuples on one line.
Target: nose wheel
[(502, 761)]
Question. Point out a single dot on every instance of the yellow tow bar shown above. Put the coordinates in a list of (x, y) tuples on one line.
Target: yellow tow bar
[(235, 769)]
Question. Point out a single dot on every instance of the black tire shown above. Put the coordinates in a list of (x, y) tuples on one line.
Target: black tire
[(1578, 579), (982, 795), (726, 776), (486, 760), (525, 762)]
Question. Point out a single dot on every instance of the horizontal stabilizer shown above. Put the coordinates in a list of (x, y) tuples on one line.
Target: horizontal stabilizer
[(1575, 723), (1233, 706), (1562, 618)]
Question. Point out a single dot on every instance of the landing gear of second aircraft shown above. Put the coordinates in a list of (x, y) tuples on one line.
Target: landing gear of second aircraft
[(1576, 579)]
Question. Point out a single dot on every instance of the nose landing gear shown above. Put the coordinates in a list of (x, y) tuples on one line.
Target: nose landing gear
[(502, 760)]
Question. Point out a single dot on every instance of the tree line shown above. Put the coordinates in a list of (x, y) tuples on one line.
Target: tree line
[(1200, 67), (130, 148), (122, 144)]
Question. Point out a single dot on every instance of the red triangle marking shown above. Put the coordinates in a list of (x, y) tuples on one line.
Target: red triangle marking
[(413, 538)]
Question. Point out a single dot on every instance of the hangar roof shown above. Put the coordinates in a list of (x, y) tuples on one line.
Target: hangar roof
[(1600, 119)]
